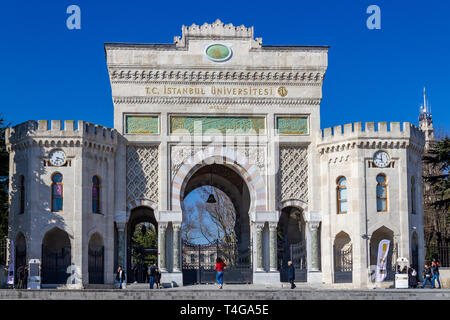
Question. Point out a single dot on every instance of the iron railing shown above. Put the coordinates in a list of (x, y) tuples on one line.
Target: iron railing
[(440, 253)]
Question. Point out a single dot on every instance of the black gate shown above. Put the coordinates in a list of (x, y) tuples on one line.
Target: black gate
[(343, 265), (54, 265), (297, 254), (96, 265), (199, 261)]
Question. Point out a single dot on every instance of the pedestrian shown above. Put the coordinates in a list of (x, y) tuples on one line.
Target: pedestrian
[(412, 277), (220, 266), (120, 276), (435, 272), (427, 276), (152, 274), (158, 278), (291, 274)]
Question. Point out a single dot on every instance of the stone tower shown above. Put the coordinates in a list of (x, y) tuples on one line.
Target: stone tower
[(426, 121)]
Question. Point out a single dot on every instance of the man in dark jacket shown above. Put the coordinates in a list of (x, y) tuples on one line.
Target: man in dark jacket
[(152, 274), (427, 276), (435, 273), (291, 274), (120, 276)]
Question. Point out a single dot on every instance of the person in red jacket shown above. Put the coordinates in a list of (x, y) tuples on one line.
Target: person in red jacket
[(220, 266)]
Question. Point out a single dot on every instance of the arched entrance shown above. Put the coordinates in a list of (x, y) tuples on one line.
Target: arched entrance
[(21, 254), (96, 259), (142, 243), (291, 244), (343, 258), (383, 233), (56, 257), (223, 225)]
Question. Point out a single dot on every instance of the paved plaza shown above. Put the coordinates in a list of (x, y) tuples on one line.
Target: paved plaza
[(230, 292)]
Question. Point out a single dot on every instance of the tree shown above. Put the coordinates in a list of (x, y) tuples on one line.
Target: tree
[(144, 239), (437, 193), (4, 180)]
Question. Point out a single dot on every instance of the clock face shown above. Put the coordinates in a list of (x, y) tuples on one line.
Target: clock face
[(57, 158), (381, 159)]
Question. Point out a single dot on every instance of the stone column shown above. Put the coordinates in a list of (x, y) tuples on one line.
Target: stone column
[(259, 247), (121, 244), (273, 246), (176, 247), (315, 250), (162, 246)]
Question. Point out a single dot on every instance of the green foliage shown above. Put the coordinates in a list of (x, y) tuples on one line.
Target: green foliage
[(439, 158), (4, 173), (145, 238)]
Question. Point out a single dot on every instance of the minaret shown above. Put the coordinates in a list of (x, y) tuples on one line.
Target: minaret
[(426, 121)]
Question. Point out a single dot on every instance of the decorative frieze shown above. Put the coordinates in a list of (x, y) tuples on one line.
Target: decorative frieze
[(217, 125)]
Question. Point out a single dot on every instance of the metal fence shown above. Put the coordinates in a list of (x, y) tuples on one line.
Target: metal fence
[(440, 253), (3, 251)]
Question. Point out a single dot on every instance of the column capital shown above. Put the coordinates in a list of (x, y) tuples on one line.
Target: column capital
[(259, 227), (120, 226), (273, 226), (176, 226), (313, 219), (163, 225)]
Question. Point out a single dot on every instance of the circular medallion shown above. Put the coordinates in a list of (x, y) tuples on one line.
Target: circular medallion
[(218, 52), (282, 91)]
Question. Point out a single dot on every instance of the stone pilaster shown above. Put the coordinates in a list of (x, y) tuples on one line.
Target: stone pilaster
[(273, 246), (121, 244), (176, 247), (315, 250), (259, 248), (162, 246)]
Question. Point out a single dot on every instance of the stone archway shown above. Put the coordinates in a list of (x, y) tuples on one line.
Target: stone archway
[(291, 243), (141, 247), (225, 156), (383, 233), (96, 259), (20, 253), (228, 216), (343, 258), (56, 256)]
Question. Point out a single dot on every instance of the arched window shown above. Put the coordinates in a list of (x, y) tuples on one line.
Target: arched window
[(413, 195), (57, 192), (95, 194), (381, 193), (341, 194), (22, 194)]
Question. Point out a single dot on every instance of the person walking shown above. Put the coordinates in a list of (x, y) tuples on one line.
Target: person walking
[(291, 274), (427, 276), (435, 273), (120, 276), (412, 277), (220, 266), (25, 279), (152, 274), (158, 278)]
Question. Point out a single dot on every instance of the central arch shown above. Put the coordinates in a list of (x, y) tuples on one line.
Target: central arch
[(228, 216), (249, 172)]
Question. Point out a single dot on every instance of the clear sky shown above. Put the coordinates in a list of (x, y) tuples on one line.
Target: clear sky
[(51, 72)]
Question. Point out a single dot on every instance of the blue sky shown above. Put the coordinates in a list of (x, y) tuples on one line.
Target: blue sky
[(50, 72)]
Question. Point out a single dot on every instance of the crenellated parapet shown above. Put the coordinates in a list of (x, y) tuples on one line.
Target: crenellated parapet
[(372, 136), (46, 133)]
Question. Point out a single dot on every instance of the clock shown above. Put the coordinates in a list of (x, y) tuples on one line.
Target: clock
[(57, 157), (381, 159)]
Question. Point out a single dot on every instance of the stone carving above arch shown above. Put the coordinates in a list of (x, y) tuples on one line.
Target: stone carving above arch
[(226, 156), (293, 174), (294, 203), (142, 173)]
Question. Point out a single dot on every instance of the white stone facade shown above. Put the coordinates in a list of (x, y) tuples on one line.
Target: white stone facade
[(152, 168)]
